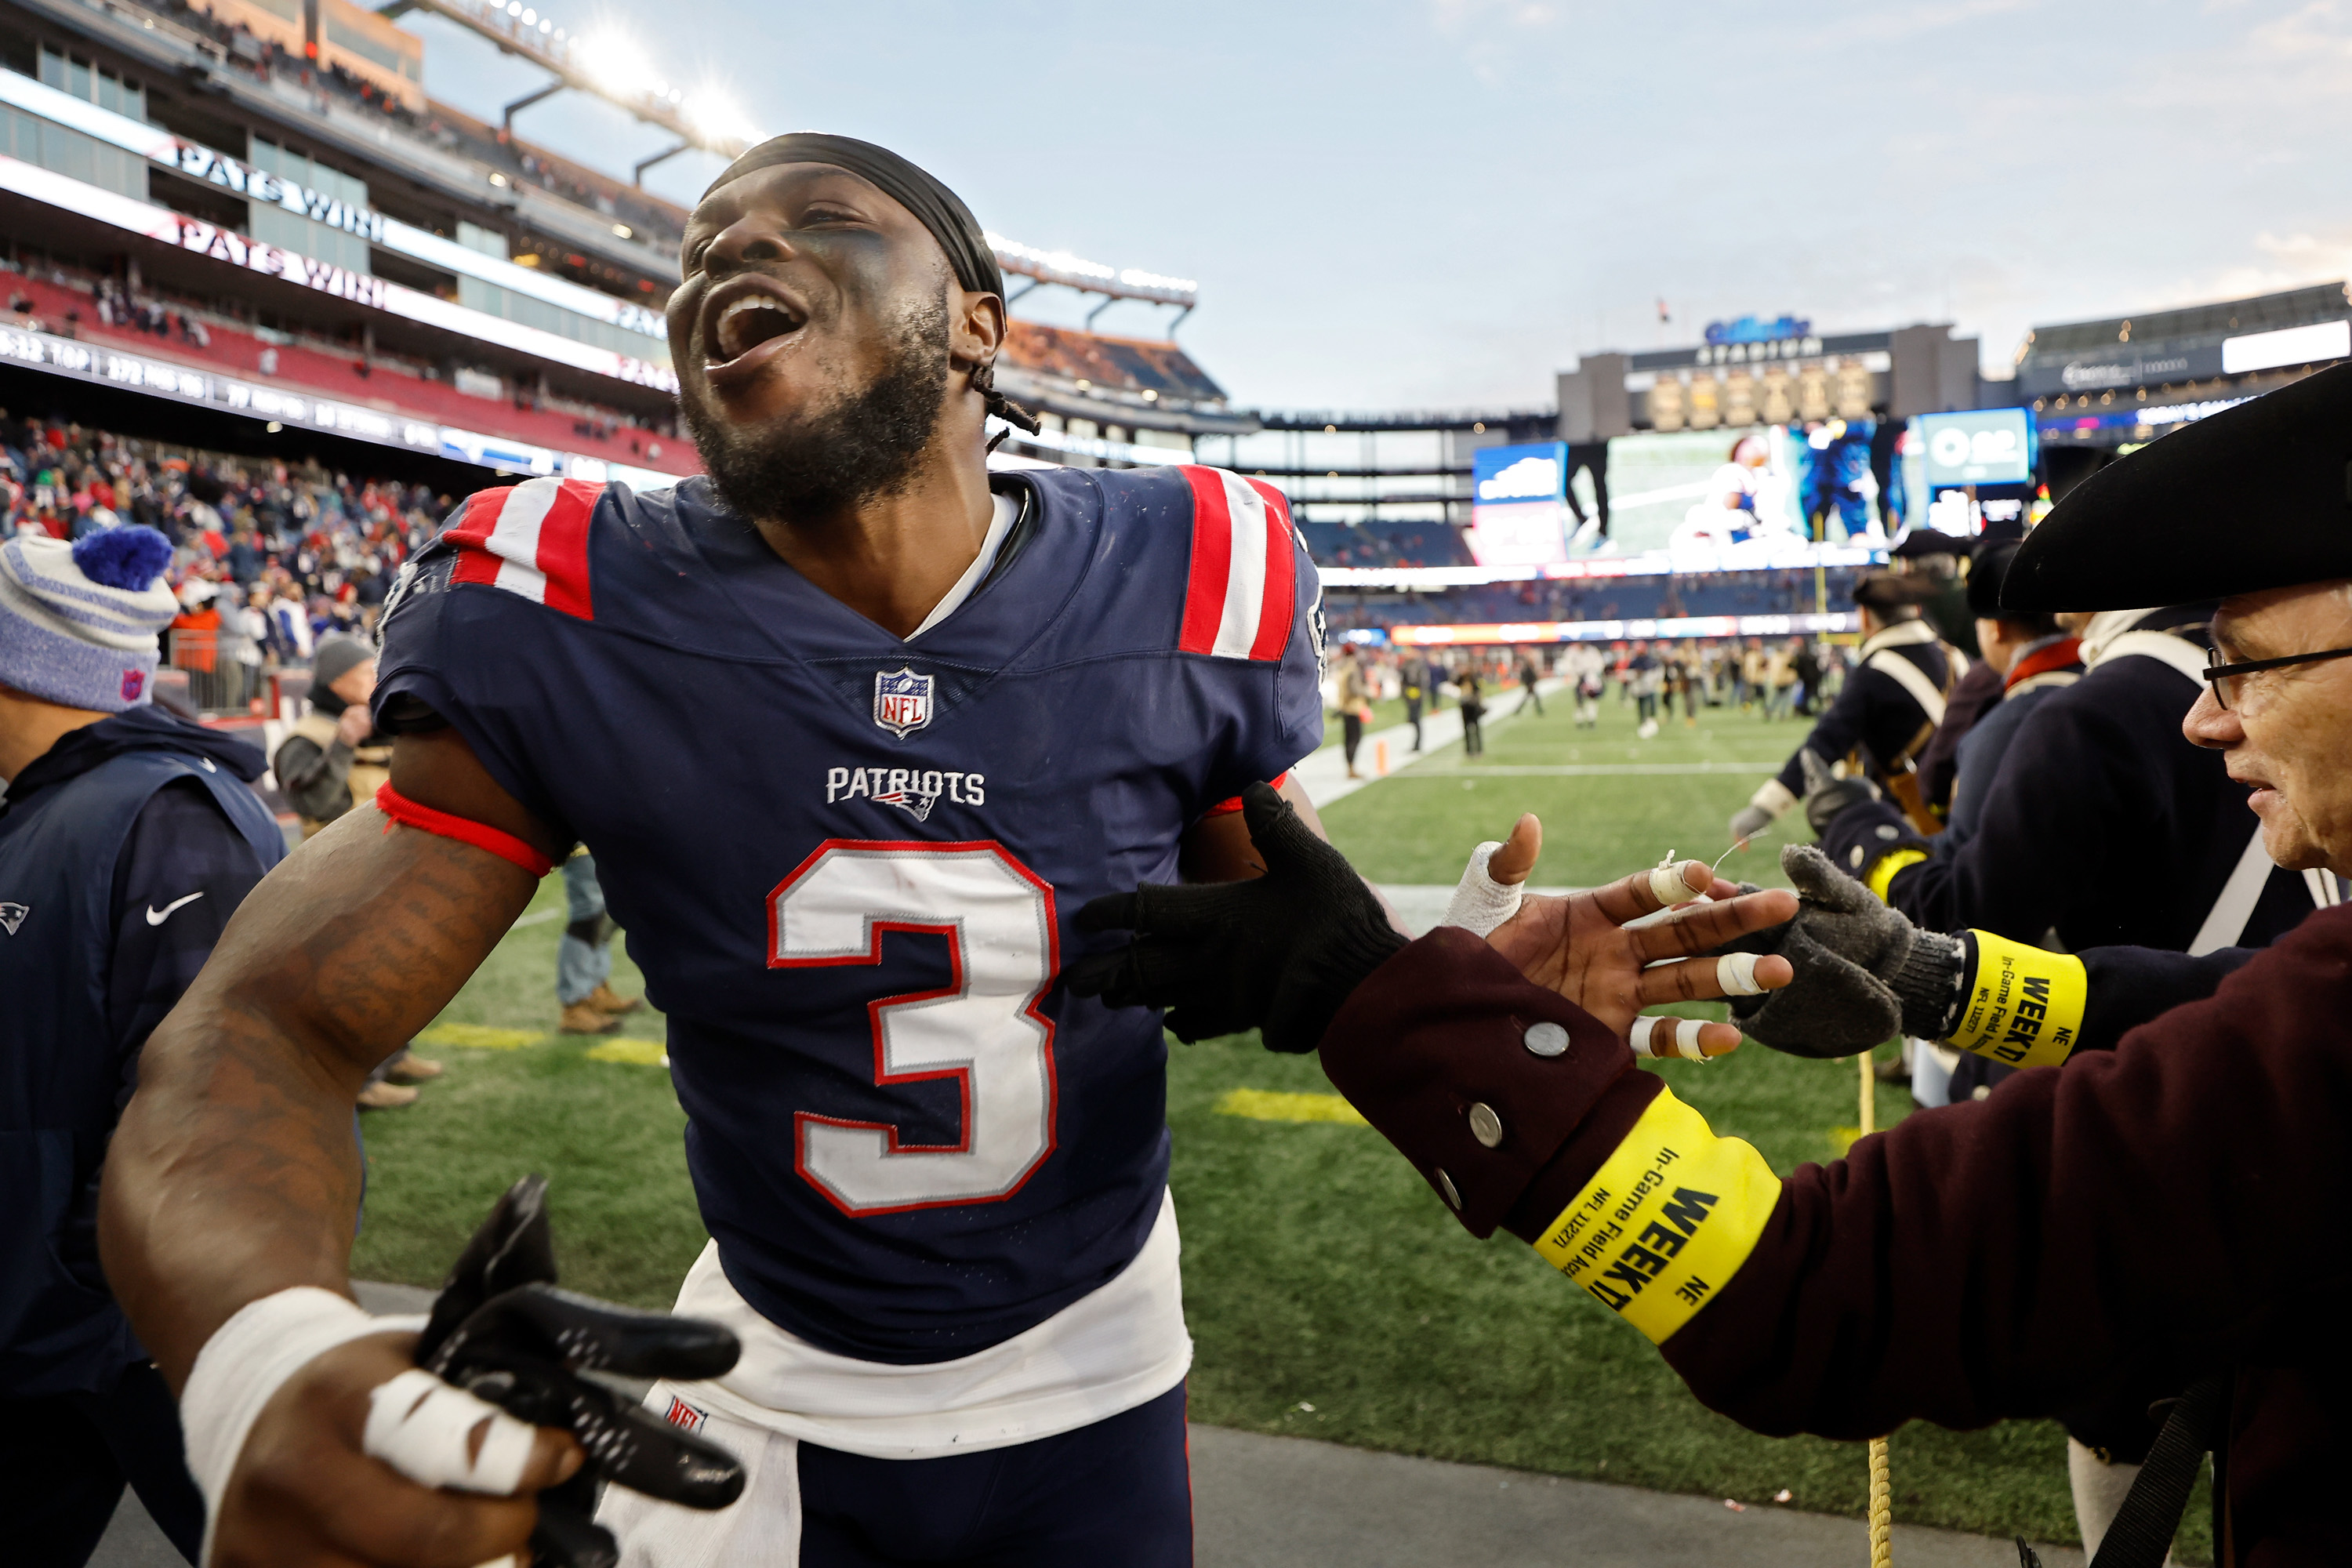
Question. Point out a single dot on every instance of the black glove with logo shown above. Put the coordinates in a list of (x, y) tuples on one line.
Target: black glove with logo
[(1280, 952), (1864, 973), (502, 1331)]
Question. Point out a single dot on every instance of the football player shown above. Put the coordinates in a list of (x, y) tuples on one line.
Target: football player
[(853, 727)]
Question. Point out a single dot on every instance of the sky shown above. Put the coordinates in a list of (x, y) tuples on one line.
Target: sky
[(1427, 205)]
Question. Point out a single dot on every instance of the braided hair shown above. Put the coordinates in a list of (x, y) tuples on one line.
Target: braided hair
[(983, 381)]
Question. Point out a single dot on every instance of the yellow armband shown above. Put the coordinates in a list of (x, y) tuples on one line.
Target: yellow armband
[(1666, 1220), (2024, 1007), (1881, 875)]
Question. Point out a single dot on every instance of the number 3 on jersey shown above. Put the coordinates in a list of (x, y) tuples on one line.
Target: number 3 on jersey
[(982, 1028)]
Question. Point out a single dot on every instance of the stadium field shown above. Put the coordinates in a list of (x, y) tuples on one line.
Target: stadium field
[(1331, 1294)]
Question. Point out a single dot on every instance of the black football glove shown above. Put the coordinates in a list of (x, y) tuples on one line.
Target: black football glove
[(501, 1331), (1864, 973), (1280, 952), (1827, 795)]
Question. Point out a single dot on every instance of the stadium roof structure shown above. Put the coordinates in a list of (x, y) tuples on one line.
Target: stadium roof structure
[(2123, 380), (601, 63)]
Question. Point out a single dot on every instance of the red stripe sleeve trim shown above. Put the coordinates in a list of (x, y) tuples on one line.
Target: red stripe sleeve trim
[(1279, 607), (472, 536), (1213, 560), (563, 548), (399, 809), (1227, 808)]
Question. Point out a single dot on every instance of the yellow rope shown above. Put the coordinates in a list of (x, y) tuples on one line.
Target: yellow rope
[(1882, 1507), (1882, 1488)]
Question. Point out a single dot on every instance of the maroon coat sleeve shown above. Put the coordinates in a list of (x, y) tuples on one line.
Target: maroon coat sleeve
[(2101, 1232)]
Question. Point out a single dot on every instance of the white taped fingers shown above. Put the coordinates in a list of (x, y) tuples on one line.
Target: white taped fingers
[(242, 1367), (1735, 973), (1480, 903), (1652, 1037), (425, 1429), (1666, 884)]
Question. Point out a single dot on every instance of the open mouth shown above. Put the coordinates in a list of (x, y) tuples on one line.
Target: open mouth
[(745, 318)]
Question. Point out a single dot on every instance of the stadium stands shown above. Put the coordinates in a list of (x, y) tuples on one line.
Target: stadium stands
[(78, 305), (1120, 365)]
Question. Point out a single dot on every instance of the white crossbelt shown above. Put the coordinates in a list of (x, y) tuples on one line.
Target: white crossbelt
[(1912, 679), (2226, 921)]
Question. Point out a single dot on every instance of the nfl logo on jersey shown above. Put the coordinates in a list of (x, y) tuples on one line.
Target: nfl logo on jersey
[(902, 701)]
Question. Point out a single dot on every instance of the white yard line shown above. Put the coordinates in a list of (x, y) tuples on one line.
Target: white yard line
[(1325, 774)]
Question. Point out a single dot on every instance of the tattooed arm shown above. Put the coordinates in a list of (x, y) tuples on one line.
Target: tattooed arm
[(235, 1174)]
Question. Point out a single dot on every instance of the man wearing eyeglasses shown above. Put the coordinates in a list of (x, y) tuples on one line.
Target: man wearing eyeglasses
[(2154, 1219)]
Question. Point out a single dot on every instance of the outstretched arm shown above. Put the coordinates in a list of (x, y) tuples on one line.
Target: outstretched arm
[(234, 1177), (234, 1172)]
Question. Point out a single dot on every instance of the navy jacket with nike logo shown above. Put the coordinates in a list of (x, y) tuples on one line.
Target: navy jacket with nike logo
[(124, 851)]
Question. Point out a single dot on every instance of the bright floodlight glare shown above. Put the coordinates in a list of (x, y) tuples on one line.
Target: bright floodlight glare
[(714, 115), (612, 61)]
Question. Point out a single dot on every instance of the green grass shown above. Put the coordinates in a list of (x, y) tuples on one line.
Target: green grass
[(1318, 1270)]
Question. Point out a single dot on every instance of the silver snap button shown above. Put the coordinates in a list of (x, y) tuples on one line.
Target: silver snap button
[(1547, 1039), (1486, 1126), (1445, 1187), (1888, 832)]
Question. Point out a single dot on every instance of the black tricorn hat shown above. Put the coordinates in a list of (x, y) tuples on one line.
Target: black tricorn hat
[(1987, 569), (2259, 496), (1886, 591)]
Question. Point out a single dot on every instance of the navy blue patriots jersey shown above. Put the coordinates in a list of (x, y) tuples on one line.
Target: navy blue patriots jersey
[(847, 863)]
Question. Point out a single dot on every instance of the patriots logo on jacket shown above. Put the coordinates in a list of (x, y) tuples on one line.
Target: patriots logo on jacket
[(902, 701), (12, 916)]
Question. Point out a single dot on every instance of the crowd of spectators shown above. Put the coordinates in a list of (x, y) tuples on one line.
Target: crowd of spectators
[(1115, 364), (268, 558), (1593, 599)]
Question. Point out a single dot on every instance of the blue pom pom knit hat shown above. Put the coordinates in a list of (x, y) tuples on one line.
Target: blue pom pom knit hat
[(68, 638)]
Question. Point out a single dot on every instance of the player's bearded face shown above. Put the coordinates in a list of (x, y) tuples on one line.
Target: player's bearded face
[(861, 443)]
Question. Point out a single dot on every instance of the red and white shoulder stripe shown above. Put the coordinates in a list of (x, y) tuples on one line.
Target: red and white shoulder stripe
[(1241, 595), (530, 539)]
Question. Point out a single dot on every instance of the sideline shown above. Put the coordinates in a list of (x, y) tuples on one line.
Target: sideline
[(1262, 1502), (1324, 773)]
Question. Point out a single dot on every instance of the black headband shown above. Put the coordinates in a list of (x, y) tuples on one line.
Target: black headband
[(935, 206)]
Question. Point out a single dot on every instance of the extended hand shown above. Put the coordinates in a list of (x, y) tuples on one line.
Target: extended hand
[(1826, 795), (343, 1468), (1279, 952), (1584, 947), (1863, 972)]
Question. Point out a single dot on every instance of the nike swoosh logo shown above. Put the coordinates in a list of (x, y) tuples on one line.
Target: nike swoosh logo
[(156, 917)]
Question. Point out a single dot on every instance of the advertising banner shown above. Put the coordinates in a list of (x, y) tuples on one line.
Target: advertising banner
[(1984, 447), (1516, 507)]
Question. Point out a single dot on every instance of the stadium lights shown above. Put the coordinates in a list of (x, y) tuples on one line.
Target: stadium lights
[(613, 60), (715, 115), (1076, 271), (602, 59)]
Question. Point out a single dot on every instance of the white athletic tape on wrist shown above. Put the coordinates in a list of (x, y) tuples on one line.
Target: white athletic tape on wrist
[(424, 1428), (244, 1364), (1682, 1042), (1481, 903), (1735, 973)]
